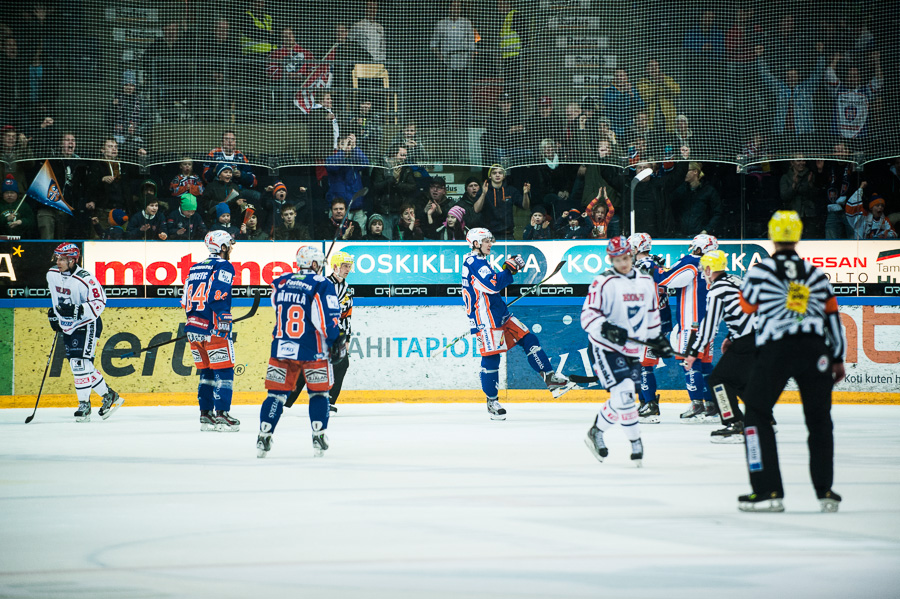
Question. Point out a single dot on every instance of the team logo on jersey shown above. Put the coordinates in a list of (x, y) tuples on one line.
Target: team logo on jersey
[(797, 298), (822, 364), (287, 349), (632, 311), (850, 112), (225, 276), (332, 302), (484, 270)]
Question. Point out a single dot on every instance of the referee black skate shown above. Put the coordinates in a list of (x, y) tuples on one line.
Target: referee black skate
[(799, 335), (729, 378)]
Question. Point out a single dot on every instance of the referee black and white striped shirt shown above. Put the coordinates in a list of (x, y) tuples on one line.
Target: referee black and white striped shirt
[(790, 297), (723, 301), (345, 299)]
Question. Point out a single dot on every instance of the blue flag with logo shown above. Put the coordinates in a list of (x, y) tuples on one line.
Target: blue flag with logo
[(45, 190)]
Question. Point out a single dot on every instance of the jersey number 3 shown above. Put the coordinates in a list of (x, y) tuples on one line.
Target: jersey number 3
[(292, 326)]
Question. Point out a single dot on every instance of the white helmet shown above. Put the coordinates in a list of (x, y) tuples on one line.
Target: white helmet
[(640, 243), (307, 254), (216, 241), (477, 235), (706, 243)]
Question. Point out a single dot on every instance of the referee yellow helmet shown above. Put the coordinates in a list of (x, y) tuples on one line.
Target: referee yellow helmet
[(785, 226), (341, 258), (716, 260)]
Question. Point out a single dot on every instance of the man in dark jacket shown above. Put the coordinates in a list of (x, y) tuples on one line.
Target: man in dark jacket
[(335, 226), (497, 200), (394, 186), (697, 205), (468, 200)]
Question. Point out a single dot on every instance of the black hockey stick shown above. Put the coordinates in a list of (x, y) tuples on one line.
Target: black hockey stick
[(526, 293), (47, 368), (250, 314)]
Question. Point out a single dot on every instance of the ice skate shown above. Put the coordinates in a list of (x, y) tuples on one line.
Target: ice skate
[(496, 411), (320, 444), (711, 413), (649, 412), (594, 442), (732, 433), (332, 409), (263, 444), (207, 420), (754, 502), (226, 423), (558, 384), (111, 403), (83, 413), (637, 453), (694, 414), (829, 501)]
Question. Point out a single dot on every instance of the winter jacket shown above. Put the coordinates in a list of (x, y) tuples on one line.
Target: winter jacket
[(391, 192), (195, 228), (802, 98), (139, 219), (697, 209), (345, 176), (538, 233)]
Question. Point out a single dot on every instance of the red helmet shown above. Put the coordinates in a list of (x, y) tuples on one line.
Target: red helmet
[(617, 246), (68, 250)]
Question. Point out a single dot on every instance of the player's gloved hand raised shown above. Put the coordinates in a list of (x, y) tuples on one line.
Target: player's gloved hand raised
[(223, 327), (514, 264), (662, 348), (54, 320), (614, 334), (70, 311)]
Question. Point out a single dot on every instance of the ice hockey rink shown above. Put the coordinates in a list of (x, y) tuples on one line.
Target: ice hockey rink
[(434, 500)]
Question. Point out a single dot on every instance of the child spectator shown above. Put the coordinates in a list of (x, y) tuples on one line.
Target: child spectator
[(599, 214), (275, 201), (148, 224), (186, 181), (223, 223), (409, 228), (15, 218), (871, 223), (184, 224), (571, 226), (223, 189), (116, 232), (539, 227), (375, 228), (253, 231), (288, 229), (454, 227)]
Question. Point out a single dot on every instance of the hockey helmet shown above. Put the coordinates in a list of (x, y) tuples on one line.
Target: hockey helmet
[(67, 250), (785, 226), (216, 241), (618, 246), (705, 243), (342, 258), (716, 260), (640, 243), (308, 254), (477, 235)]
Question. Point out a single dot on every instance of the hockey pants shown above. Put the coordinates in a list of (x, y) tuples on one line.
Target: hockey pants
[(805, 358)]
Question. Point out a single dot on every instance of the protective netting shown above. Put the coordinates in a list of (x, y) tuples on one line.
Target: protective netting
[(595, 84)]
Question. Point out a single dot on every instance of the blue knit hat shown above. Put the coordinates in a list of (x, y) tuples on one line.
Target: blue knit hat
[(222, 166), (222, 208), (9, 184)]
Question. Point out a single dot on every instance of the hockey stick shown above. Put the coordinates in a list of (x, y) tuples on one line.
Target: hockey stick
[(47, 368), (250, 314), (526, 293)]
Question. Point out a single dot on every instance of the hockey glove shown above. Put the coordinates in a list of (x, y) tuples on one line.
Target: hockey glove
[(73, 311), (514, 264), (223, 327), (662, 348), (338, 349), (54, 320), (616, 335)]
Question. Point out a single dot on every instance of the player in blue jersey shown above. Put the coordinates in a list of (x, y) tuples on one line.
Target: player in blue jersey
[(685, 277), (495, 329), (641, 244), (206, 300), (307, 317)]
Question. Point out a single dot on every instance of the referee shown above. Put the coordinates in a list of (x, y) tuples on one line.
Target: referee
[(729, 378), (799, 335)]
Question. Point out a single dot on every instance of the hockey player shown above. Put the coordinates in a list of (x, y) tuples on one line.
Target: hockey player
[(729, 377), (685, 277), (341, 266), (799, 335), (621, 302), (307, 316), (206, 300), (77, 301), (495, 329), (641, 244)]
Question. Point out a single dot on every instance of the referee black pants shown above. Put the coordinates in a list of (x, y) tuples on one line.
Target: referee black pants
[(728, 380), (805, 358)]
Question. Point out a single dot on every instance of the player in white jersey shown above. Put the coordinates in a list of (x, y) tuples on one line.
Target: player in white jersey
[(77, 300), (621, 308)]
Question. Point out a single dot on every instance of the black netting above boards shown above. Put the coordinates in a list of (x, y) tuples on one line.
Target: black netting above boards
[(462, 82)]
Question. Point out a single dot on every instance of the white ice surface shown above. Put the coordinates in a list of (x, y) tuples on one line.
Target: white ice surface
[(423, 501)]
